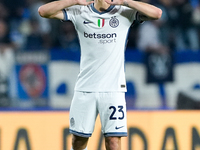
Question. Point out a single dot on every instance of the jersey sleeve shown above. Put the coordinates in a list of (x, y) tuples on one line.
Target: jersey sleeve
[(71, 13), (129, 13), (132, 15), (137, 18)]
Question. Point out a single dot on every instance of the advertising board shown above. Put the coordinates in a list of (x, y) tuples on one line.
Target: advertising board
[(147, 130)]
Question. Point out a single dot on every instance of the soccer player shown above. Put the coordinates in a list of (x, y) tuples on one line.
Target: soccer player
[(102, 28)]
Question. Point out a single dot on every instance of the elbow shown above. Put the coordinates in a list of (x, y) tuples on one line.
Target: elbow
[(159, 14), (41, 11)]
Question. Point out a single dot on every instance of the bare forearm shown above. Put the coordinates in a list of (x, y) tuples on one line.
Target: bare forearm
[(53, 9), (149, 12)]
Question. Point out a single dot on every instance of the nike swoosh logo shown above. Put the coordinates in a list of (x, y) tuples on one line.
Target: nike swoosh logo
[(86, 22), (118, 127)]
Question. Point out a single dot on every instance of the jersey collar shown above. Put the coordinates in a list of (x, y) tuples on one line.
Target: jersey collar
[(107, 10)]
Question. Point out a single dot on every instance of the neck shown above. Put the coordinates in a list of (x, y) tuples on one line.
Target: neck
[(101, 5)]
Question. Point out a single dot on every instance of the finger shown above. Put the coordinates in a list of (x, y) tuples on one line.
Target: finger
[(91, 2), (109, 2)]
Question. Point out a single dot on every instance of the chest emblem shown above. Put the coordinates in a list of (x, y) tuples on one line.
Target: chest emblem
[(114, 22), (101, 22)]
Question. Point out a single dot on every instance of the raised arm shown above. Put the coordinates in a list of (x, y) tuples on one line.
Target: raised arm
[(54, 9), (146, 11)]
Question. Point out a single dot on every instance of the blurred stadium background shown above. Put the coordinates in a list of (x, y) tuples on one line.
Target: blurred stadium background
[(39, 63)]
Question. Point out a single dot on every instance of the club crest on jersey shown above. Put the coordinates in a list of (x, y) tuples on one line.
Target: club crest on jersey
[(101, 22), (114, 22)]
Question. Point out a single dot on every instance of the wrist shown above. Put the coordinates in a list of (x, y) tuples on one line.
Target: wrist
[(126, 3), (74, 2)]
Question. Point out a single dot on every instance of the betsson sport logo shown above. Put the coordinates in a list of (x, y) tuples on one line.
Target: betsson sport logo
[(104, 38)]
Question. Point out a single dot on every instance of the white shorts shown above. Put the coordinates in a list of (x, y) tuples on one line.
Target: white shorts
[(110, 106)]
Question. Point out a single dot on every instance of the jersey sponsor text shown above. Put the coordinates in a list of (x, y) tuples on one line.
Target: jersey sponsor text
[(105, 38), (100, 36)]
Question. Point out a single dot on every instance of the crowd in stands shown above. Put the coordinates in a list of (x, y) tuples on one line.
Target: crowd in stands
[(22, 29), (178, 29)]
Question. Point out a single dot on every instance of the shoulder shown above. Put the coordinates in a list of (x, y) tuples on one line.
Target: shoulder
[(78, 9), (74, 7), (126, 11), (125, 8)]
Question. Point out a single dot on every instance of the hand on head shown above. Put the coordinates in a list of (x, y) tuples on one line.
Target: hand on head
[(115, 2), (84, 2)]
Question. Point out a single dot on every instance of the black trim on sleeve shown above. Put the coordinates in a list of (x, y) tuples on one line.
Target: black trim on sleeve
[(65, 15), (137, 16), (137, 19)]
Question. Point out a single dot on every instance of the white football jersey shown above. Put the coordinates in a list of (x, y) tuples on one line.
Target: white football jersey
[(102, 37)]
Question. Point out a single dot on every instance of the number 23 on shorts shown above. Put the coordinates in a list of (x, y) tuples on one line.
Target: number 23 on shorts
[(113, 115)]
